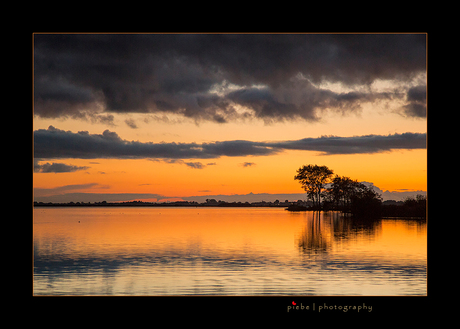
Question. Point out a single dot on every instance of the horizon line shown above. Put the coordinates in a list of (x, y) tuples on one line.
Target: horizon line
[(249, 197)]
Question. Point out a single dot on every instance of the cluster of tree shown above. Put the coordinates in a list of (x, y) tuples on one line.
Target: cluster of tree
[(347, 195), (338, 192), (313, 178), (343, 192)]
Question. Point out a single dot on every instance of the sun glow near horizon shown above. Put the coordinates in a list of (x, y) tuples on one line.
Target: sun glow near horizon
[(389, 171)]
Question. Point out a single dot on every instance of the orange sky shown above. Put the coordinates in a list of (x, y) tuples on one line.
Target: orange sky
[(392, 170), (191, 95)]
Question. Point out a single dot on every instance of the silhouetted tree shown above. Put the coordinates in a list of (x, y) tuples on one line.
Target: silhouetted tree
[(313, 178), (349, 195), (341, 191), (365, 202)]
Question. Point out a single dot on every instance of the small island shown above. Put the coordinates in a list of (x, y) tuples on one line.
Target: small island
[(344, 194)]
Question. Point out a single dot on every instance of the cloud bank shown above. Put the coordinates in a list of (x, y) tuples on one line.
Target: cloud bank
[(53, 143), (221, 78)]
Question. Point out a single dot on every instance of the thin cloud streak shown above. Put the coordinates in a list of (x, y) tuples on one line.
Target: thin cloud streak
[(53, 143), (56, 167)]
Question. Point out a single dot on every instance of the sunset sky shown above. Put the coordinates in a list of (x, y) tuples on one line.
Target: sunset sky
[(121, 117)]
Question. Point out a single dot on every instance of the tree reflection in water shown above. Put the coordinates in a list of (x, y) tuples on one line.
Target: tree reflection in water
[(323, 230)]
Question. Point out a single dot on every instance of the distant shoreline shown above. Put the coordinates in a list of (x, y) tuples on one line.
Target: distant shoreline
[(166, 204), (388, 211)]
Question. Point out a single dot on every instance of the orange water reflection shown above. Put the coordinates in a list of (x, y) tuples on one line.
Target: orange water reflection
[(241, 251)]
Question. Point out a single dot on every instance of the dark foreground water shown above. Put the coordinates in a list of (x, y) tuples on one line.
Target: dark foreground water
[(224, 251)]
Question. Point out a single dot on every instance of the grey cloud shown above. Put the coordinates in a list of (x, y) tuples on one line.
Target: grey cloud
[(300, 99), (55, 143), (195, 165), (131, 123), (80, 74), (417, 94), (416, 98), (415, 110), (237, 148), (60, 89), (265, 104), (56, 167), (94, 117), (248, 164), (357, 144)]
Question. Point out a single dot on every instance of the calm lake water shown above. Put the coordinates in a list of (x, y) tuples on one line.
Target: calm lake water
[(224, 251)]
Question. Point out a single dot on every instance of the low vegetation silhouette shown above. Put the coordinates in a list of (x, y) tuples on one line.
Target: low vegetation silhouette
[(411, 207)]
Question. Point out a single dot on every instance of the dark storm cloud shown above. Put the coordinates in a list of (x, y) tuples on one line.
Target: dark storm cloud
[(299, 98), (416, 98), (76, 75), (55, 143)]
